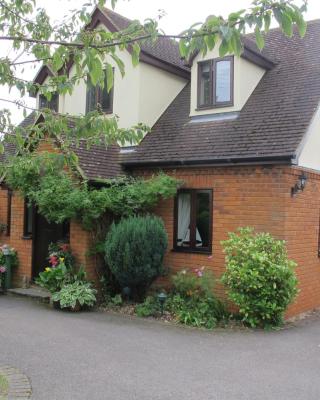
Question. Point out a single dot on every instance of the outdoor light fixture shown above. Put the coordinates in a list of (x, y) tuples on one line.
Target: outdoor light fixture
[(300, 185), (126, 291), (162, 297)]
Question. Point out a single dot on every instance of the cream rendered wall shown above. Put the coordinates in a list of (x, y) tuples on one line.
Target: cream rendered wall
[(246, 77), (308, 154), (142, 95), (125, 94), (158, 89)]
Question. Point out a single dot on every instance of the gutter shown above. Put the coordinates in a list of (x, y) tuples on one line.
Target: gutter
[(268, 160)]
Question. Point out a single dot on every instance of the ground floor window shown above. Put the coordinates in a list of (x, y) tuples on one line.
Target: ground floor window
[(28, 219), (193, 220)]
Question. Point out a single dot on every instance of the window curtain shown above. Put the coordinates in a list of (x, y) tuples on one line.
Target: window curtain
[(184, 208)]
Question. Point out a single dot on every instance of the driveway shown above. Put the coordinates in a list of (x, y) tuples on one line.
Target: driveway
[(97, 356)]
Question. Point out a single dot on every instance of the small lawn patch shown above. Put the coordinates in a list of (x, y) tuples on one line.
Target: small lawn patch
[(4, 387)]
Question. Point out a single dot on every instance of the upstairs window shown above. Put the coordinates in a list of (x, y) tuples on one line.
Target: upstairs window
[(193, 220), (98, 98), (215, 83), (53, 104)]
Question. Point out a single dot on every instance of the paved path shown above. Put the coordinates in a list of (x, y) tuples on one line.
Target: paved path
[(96, 356)]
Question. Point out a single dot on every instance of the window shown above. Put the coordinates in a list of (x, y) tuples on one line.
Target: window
[(193, 220), (98, 98), (28, 219), (215, 83), (53, 104)]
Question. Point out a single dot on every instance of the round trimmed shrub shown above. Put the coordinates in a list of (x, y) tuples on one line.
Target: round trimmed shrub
[(259, 276), (134, 251)]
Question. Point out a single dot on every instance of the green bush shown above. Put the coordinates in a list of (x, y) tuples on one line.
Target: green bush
[(149, 308), (76, 294), (134, 251), (198, 282), (193, 302), (259, 276)]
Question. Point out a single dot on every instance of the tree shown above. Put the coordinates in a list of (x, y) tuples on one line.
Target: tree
[(30, 30)]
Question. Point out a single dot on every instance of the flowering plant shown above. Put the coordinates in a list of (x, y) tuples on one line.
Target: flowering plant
[(195, 282), (6, 250), (3, 269), (60, 253)]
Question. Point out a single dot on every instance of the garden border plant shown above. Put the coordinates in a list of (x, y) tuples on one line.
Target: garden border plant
[(259, 277)]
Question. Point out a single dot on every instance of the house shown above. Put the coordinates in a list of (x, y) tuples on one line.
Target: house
[(243, 133)]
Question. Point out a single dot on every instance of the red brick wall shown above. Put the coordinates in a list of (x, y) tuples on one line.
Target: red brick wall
[(81, 243), (23, 246), (258, 197), (242, 196)]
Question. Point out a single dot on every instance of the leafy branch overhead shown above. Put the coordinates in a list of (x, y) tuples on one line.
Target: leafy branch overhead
[(94, 51)]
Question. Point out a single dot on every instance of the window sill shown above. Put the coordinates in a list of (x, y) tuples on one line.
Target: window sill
[(193, 251), (26, 237), (214, 107)]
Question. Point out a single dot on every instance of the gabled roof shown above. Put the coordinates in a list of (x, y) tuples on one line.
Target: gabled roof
[(270, 126), (163, 54), (96, 163)]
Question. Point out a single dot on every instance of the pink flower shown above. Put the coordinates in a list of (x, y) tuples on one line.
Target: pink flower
[(199, 273), (2, 269)]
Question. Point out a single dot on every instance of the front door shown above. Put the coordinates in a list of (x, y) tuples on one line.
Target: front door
[(44, 234)]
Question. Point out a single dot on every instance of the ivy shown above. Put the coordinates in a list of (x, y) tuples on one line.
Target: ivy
[(45, 180)]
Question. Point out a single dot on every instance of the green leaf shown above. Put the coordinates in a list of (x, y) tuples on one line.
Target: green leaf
[(96, 71), (183, 48), (302, 26), (135, 54), (109, 75), (267, 22), (259, 38), (224, 48), (210, 41), (1, 148)]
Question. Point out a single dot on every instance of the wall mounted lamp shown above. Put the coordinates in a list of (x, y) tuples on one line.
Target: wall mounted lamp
[(300, 185)]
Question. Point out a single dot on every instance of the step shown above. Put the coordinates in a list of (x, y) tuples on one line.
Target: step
[(32, 292)]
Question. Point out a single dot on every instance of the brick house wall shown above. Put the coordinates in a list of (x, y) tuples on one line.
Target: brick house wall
[(242, 196), (259, 197)]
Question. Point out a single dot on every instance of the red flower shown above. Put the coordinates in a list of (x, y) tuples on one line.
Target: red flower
[(64, 247), (53, 260)]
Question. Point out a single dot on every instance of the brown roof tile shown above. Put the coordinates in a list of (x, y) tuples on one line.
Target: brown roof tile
[(271, 124)]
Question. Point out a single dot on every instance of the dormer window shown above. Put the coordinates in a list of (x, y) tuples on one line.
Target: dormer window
[(98, 98), (215, 83), (52, 104)]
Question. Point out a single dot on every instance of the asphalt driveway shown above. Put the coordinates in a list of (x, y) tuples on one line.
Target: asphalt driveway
[(97, 356)]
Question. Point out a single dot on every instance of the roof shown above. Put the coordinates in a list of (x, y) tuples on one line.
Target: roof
[(164, 49), (164, 53), (97, 162), (271, 125)]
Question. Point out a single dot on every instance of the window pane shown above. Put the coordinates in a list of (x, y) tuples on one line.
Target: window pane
[(184, 208), (53, 104), (91, 96), (205, 84), (28, 219), (203, 220), (223, 81)]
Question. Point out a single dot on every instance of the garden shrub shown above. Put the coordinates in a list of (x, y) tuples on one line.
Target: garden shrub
[(78, 293), (193, 302), (259, 276), (62, 269), (134, 251), (149, 308)]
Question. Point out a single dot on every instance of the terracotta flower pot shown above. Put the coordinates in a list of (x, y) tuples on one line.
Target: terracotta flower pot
[(76, 308)]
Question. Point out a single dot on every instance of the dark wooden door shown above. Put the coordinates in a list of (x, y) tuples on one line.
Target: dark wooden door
[(44, 234)]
